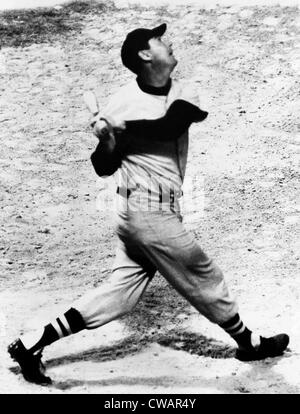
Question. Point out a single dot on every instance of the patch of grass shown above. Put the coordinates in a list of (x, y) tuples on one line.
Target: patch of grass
[(19, 28)]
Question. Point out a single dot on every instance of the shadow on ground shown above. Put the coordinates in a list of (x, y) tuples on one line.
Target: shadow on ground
[(160, 307), (184, 341), (243, 383)]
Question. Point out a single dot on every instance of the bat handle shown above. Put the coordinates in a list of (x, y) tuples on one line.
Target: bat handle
[(91, 102)]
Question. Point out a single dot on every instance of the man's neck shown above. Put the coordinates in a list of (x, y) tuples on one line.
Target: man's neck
[(155, 83), (156, 79), (154, 90)]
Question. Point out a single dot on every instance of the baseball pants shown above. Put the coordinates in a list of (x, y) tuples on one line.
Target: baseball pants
[(151, 241)]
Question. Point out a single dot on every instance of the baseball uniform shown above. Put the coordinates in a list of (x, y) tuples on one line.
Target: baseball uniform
[(151, 235)]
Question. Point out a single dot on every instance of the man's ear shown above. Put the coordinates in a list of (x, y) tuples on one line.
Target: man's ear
[(145, 55)]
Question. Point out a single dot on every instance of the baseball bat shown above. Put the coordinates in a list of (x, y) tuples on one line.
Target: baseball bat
[(91, 102)]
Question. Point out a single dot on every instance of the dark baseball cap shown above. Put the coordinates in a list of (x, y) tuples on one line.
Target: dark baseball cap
[(135, 41)]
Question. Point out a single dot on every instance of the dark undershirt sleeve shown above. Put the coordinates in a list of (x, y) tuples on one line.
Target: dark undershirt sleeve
[(178, 118), (104, 163)]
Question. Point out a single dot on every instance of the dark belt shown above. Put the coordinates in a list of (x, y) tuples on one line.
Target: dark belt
[(124, 192)]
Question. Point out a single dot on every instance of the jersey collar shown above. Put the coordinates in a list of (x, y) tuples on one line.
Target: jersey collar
[(154, 90)]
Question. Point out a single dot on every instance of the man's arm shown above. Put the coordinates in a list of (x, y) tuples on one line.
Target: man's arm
[(178, 118), (107, 157), (105, 163)]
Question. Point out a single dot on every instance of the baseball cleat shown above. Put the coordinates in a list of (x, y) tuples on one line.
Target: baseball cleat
[(31, 365), (269, 347)]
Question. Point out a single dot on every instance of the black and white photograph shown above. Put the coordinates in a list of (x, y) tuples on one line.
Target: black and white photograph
[(150, 199)]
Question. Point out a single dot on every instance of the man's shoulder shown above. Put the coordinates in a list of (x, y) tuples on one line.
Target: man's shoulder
[(124, 102), (127, 90)]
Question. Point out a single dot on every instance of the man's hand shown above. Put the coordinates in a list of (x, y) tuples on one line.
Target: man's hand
[(103, 126), (105, 130), (100, 129), (99, 123)]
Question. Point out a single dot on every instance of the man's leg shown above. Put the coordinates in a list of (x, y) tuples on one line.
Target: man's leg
[(121, 292), (177, 255), (112, 299)]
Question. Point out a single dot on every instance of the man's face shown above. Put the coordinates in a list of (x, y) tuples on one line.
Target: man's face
[(161, 53)]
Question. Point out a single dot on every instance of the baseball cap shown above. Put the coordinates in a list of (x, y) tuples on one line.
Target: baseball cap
[(135, 41)]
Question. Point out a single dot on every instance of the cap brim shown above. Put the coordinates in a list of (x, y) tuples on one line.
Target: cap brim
[(159, 30)]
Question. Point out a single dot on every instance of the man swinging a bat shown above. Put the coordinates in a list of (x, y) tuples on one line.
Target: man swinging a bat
[(143, 141)]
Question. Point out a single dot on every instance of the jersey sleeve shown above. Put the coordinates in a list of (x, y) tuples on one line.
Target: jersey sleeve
[(106, 163), (178, 118)]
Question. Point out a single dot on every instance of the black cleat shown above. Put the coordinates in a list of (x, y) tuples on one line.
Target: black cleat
[(269, 347), (31, 364)]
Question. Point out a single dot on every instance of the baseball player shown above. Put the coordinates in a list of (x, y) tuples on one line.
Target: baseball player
[(143, 141)]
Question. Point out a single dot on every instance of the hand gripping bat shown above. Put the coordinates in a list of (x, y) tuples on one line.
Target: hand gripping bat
[(104, 129)]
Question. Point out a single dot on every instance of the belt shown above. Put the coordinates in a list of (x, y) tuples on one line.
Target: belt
[(126, 192)]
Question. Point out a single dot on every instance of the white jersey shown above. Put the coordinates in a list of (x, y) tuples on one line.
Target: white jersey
[(154, 166)]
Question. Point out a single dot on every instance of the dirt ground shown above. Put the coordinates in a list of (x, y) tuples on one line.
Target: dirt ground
[(56, 243)]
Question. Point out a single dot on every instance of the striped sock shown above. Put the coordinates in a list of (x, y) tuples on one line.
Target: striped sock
[(240, 333), (69, 323)]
